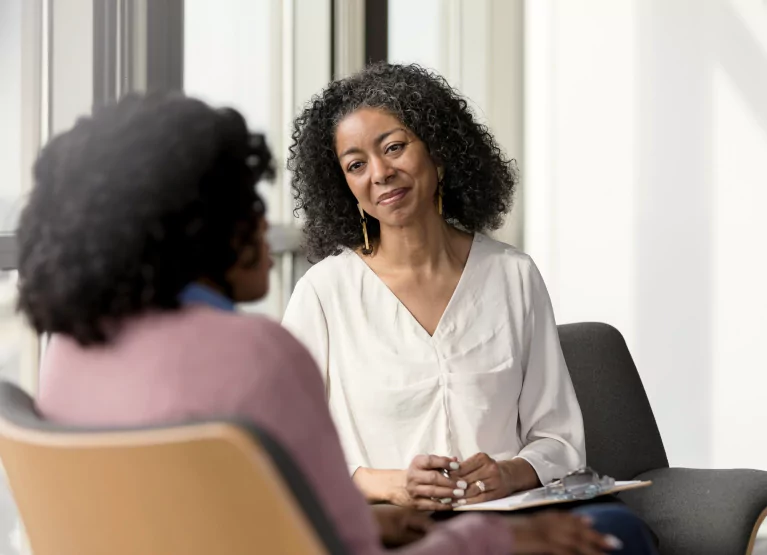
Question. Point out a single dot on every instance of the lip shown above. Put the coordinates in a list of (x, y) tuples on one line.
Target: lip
[(390, 197)]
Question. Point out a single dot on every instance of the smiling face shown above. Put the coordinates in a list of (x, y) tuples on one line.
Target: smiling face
[(388, 169)]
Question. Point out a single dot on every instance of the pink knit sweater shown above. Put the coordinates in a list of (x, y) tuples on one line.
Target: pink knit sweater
[(203, 362)]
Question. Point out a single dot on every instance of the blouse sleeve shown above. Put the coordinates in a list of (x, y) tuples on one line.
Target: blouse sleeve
[(551, 424), (305, 319)]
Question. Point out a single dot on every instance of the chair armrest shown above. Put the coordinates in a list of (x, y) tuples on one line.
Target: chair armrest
[(704, 512)]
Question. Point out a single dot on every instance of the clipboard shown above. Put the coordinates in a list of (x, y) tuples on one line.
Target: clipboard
[(537, 498)]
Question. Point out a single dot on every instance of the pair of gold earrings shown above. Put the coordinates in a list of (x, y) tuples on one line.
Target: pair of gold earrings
[(364, 219)]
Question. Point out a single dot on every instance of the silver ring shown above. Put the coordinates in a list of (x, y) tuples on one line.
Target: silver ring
[(481, 485)]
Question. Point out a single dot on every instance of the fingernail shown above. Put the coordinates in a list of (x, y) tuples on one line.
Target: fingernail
[(446, 501), (459, 503), (587, 520), (458, 492), (454, 466), (462, 484), (613, 542)]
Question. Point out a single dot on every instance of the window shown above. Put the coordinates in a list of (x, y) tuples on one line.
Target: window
[(10, 179), (10, 113), (229, 60), (263, 58), (415, 33), (17, 345)]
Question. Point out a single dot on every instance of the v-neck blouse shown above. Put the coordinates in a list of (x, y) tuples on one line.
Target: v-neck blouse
[(490, 379), (454, 298)]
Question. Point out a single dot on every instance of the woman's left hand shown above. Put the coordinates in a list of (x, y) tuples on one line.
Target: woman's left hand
[(494, 476)]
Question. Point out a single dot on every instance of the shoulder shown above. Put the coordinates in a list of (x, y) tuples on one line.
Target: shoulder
[(261, 368), (258, 348), (332, 277), (331, 268), (268, 337), (241, 336), (502, 255), (506, 268)]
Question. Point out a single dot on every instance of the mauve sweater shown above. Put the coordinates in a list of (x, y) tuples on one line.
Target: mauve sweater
[(201, 362)]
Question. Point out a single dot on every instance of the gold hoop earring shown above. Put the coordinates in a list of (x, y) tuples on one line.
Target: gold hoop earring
[(440, 177), (364, 221)]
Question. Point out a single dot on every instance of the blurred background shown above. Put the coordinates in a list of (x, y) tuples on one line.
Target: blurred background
[(639, 126)]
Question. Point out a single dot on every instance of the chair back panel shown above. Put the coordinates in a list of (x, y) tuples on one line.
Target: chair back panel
[(191, 489), (622, 437)]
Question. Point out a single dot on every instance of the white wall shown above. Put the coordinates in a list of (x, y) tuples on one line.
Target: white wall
[(646, 140)]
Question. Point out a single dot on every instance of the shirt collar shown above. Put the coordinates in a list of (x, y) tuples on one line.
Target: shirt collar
[(196, 293)]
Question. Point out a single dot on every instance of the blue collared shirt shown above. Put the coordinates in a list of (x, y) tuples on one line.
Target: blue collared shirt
[(196, 293)]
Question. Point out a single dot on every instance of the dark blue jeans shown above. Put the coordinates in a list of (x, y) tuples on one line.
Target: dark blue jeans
[(609, 516), (618, 520)]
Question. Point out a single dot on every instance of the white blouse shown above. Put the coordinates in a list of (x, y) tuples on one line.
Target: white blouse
[(491, 379)]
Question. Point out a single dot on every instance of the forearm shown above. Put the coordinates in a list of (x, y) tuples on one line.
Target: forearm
[(519, 475), (379, 486)]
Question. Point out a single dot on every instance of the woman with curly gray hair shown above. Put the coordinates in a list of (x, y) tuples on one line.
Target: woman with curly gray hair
[(426, 329), (438, 344)]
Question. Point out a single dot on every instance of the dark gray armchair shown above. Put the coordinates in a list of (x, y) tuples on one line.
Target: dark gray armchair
[(696, 512)]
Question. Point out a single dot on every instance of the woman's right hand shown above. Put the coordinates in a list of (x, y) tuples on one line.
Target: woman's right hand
[(555, 533), (426, 488)]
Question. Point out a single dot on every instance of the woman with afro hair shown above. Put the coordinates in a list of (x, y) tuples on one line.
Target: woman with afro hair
[(438, 345)]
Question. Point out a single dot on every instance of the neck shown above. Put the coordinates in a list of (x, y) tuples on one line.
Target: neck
[(210, 284), (424, 245)]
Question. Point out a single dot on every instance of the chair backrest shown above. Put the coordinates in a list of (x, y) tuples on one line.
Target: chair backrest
[(622, 437), (191, 489)]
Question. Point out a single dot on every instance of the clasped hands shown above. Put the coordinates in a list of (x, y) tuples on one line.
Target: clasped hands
[(426, 488)]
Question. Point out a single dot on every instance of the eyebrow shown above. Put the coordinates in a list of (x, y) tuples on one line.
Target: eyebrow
[(378, 141)]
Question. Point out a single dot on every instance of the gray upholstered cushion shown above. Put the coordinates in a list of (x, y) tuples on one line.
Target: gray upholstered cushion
[(701, 512), (695, 512), (622, 438)]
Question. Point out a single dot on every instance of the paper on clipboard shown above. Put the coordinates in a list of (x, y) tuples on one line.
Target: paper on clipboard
[(537, 498)]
